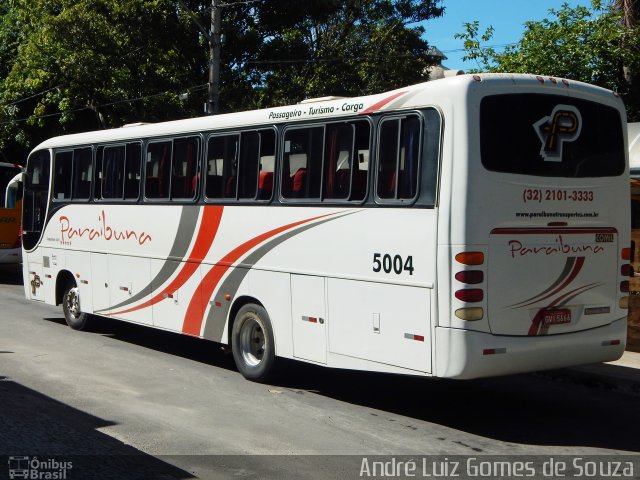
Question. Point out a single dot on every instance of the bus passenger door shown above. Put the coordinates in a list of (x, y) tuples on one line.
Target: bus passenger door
[(308, 314)]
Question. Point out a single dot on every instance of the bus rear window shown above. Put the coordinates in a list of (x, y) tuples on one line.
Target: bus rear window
[(550, 136)]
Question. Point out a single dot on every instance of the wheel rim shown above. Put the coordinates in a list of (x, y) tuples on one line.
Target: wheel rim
[(252, 341), (72, 302)]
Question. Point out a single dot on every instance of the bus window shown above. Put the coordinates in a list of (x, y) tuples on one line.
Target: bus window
[(338, 161), (158, 170), (36, 197), (62, 175), (578, 152), (82, 172), (240, 166), (72, 177), (222, 160), (346, 159), (7, 173), (183, 168), (118, 172), (132, 171), (266, 160), (302, 169), (112, 172), (398, 158)]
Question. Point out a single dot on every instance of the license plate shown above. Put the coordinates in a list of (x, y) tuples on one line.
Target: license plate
[(556, 317)]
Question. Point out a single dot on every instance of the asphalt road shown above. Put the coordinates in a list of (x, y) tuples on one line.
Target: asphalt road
[(128, 399)]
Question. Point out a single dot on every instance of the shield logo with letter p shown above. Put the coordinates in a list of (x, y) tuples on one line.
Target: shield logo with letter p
[(563, 125)]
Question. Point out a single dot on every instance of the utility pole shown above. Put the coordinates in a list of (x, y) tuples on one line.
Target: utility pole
[(215, 44), (214, 36)]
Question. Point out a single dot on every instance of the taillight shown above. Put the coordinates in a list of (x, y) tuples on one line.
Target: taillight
[(470, 258), (470, 295), (470, 277), (626, 270)]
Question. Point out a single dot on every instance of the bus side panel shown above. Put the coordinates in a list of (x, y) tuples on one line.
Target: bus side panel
[(273, 290), (77, 263), (169, 312), (100, 281), (129, 276), (383, 323)]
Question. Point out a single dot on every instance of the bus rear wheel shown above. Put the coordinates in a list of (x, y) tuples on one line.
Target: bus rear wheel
[(73, 314), (252, 343)]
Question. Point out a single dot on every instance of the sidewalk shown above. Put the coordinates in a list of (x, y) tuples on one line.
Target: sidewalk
[(622, 375)]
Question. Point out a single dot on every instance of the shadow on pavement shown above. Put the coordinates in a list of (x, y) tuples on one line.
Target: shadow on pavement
[(10, 274), (537, 409), (36, 426)]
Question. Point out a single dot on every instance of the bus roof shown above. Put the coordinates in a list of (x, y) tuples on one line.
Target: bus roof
[(414, 96)]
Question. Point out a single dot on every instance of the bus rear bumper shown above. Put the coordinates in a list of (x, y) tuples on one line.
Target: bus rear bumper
[(468, 354)]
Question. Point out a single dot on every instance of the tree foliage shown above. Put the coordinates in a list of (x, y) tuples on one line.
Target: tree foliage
[(74, 65), (590, 44)]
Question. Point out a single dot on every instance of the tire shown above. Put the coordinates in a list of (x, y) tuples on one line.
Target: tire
[(252, 343), (74, 316)]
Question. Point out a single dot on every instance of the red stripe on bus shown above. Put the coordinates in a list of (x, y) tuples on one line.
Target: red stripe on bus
[(206, 234), (195, 312), (574, 273), (382, 103), (536, 323)]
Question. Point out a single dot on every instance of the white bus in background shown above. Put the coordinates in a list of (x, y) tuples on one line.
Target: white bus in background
[(465, 227), (10, 212), (633, 132)]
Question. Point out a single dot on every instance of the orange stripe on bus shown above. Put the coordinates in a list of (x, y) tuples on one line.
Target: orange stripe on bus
[(206, 234), (195, 313)]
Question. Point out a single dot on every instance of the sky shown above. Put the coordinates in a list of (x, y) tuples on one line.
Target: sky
[(506, 16)]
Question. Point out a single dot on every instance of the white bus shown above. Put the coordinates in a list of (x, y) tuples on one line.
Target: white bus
[(10, 212), (465, 227)]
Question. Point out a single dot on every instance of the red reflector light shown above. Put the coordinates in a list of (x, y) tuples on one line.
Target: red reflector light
[(470, 295), (493, 351), (626, 270), (626, 253), (624, 286), (411, 336), (470, 258), (470, 276)]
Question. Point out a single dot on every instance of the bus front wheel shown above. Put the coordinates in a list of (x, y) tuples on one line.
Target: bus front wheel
[(252, 343), (74, 316)]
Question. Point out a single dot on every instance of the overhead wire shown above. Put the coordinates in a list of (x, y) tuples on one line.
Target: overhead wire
[(117, 102)]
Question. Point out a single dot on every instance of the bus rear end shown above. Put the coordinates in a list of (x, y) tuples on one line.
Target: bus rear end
[(538, 257)]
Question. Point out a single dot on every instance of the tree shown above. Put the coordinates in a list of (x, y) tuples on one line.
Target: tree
[(581, 43), (74, 65), (70, 65), (280, 52)]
